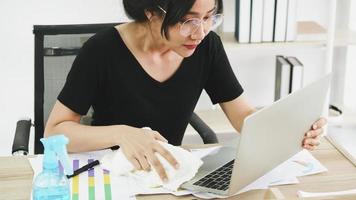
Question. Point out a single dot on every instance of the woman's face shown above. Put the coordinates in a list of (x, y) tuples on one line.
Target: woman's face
[(185, 45)]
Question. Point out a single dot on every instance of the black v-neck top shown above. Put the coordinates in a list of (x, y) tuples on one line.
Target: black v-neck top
[(107, 76)]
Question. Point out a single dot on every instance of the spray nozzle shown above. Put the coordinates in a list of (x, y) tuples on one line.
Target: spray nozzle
[(55, 150)]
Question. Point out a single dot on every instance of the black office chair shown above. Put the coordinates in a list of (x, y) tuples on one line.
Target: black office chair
[(55, 49)]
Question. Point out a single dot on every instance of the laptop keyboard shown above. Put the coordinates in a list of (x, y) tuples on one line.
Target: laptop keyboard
[(218, 179)]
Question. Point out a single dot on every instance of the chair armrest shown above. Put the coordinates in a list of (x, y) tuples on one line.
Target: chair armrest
[(205, 132), (21, 139)]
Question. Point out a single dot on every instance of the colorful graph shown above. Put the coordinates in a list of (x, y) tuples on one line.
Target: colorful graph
[(92, 184), (75, 182), (107, 184)]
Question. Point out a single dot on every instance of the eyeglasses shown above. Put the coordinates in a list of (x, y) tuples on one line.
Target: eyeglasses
[(190, 26)]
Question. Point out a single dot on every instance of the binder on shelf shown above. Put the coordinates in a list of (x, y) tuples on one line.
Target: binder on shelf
[(282, 81), (268, 20), (291, 33), (280, 24), (243, 21), (256, 21), (296, 75)]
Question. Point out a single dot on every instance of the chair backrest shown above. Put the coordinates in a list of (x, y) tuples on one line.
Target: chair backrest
[(55, 49)]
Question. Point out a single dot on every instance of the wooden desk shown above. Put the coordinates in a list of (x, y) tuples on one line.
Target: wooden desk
[(16, 179)]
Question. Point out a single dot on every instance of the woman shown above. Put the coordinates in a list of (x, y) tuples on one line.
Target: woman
[(150, 73)]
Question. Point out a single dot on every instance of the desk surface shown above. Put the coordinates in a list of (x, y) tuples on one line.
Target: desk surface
[(16, 172)]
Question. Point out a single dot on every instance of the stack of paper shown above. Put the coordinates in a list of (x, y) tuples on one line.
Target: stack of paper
[(343, 137)]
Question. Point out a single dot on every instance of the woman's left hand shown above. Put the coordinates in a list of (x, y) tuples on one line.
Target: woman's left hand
[(312, 137)]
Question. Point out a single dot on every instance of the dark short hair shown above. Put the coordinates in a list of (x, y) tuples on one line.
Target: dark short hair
[(176, 10)]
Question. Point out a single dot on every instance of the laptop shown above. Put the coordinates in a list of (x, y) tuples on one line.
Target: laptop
[(269, 137)]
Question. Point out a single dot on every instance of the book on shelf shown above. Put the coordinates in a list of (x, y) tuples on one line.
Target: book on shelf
[(289, 76), (291, 30), (268, 20), (256, 21), (282, 80), (280, 21), (243, 21), (296, 75)]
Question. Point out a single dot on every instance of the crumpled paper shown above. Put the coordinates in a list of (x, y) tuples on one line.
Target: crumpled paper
[(118, 165)]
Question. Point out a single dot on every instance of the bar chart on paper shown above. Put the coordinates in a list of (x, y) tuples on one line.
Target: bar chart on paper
[(91, 185)]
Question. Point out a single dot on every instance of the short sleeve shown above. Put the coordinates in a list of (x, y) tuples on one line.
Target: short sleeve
[(222, 84), (81, 84)]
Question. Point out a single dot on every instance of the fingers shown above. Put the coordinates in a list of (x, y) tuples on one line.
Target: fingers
[(140, 156), (312, 137), (157, 166), (310, 148), (137, 158), (167, 155), (314, 133), (311, 143), (134, 162), (319, 124), (140, 147)]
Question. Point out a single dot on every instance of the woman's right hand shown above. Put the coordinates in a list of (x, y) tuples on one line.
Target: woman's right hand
[(139, 146)]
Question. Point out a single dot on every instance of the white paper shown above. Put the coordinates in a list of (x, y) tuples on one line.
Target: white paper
[(343, 137), (301, 164), (303, 194), (304, 163), (201, 153)]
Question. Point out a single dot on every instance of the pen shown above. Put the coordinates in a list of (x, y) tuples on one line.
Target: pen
[(84, 168)]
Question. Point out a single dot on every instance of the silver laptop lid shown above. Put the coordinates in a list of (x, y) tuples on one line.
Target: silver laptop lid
[(275, 133)]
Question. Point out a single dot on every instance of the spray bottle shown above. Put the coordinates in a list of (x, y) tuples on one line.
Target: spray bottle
[(51, 183)]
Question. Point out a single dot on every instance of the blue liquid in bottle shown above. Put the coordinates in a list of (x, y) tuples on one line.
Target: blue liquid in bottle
[(51, 183)]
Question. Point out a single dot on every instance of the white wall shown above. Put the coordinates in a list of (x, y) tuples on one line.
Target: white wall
[(17, 17), (350, 80)]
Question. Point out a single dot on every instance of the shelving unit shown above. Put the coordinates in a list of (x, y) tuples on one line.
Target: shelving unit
[(318, 39), (345, 38), (333, 38), (330, 40)]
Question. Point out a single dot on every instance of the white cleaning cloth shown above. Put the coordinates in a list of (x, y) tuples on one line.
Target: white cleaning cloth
[(118, 165)]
